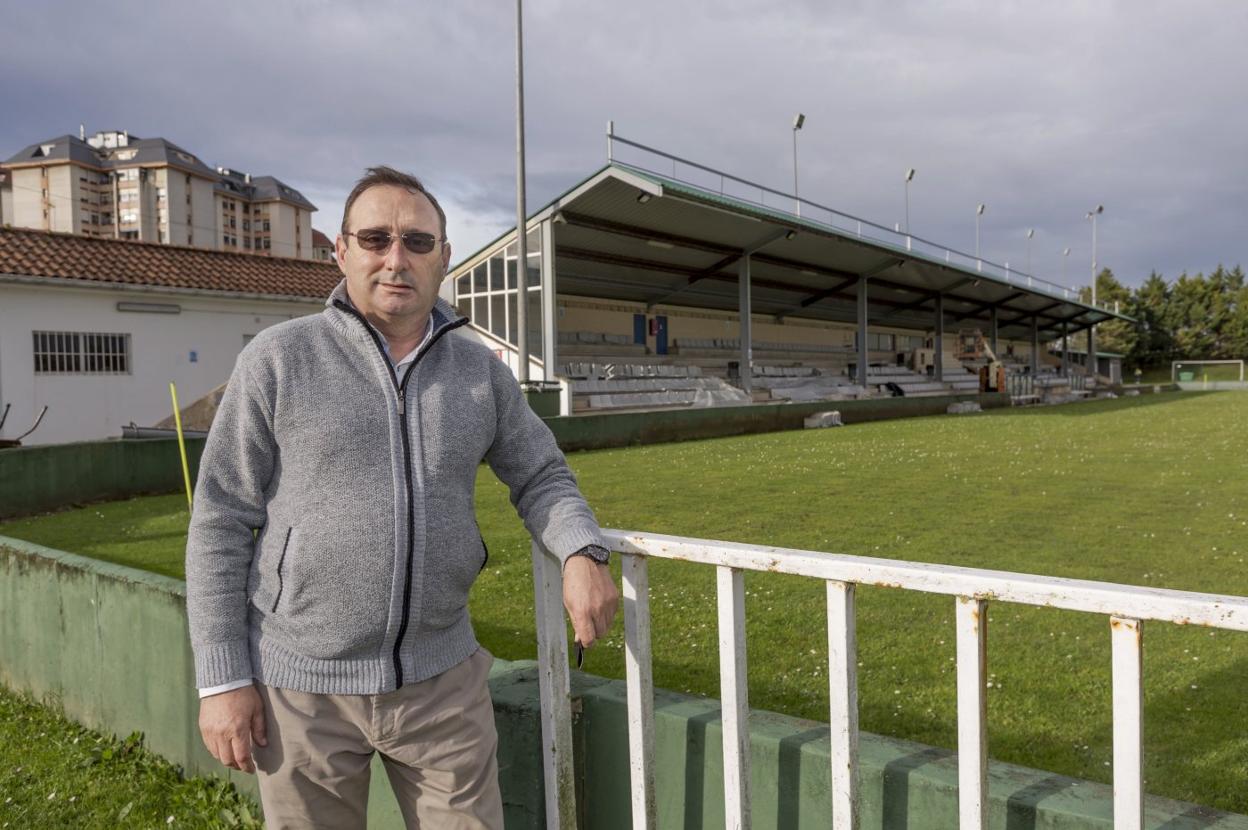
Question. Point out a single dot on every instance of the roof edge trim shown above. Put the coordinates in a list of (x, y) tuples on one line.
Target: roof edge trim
[(100, 285)]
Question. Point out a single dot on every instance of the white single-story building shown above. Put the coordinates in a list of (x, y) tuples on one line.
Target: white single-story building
[(97, 329)]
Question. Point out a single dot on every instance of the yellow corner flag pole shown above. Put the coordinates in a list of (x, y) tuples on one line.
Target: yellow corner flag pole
[(177, 419)]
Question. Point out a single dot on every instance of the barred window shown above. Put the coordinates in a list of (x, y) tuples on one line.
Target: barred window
[(71, 352)]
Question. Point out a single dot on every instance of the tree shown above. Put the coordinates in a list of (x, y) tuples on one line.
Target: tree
[(1154, 343), (1187, 315), (1117, 335)]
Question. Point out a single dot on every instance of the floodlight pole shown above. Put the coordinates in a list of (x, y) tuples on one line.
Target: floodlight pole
[(979, 262), (909, 178), (1092, 214), (1092, 358), (1030, 233), (522, 264), (798, 121)]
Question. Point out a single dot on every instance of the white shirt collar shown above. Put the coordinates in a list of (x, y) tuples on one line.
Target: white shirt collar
[(412, 354), (385, 344)]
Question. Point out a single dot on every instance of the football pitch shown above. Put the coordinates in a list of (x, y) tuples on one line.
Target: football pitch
[(1147, 491)]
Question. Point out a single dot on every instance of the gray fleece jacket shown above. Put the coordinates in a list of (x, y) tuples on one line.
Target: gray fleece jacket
[(333, 540)]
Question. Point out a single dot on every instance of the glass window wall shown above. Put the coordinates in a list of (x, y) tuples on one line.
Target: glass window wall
[(490, 292)]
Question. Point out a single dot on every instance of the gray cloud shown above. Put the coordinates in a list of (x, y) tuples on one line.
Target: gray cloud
[(1039, 110)]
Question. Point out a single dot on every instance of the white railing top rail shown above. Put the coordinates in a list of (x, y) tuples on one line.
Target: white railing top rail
[(744, 190), (972, 589), (1136, 602)]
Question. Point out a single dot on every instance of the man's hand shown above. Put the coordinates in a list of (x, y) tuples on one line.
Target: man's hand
[(591, 598), (229, 723)]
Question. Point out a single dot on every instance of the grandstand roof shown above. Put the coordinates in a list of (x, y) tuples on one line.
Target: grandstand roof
[(629, 233)]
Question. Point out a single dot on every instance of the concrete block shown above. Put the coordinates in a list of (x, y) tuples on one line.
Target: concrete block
[(963, 408), (821, 420)]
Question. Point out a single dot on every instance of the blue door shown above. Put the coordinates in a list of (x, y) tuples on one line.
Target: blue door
[(639, 329), (660, 335)]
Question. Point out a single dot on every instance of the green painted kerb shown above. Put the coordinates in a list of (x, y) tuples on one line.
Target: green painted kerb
[(110, 644), (38, 479)]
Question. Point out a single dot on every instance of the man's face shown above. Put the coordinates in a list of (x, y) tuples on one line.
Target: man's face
[(394, 284)]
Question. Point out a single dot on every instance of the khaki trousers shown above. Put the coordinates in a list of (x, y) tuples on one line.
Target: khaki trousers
[(436, 738)]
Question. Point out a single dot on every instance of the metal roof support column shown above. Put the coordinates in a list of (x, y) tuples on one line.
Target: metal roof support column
[(1035, 345), (1091, 366), (550, 320), (747, 350), (993, 335), (1065, 349), (939, 342), (863, 351)]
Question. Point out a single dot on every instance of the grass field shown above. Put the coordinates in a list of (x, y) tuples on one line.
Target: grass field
[(1147, 490), (54, 773)]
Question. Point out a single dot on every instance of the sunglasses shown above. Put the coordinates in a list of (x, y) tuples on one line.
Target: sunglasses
[(379, 241)]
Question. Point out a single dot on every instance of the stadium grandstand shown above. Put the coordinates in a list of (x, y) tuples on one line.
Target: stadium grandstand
[(692, 287)]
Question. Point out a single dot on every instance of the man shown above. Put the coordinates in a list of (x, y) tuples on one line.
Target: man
[(333, 542)]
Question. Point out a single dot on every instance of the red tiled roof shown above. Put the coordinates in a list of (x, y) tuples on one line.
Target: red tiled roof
[(82, 258), (320, 240)]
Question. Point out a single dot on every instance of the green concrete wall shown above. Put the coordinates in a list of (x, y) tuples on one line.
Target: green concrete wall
[(110, 644), (593, 432), (38, 479)]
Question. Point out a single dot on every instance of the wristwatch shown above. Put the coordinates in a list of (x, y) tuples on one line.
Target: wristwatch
[(595, 552)]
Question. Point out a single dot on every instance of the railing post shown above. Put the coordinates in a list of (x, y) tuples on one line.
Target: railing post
[(1128, 650), (640, 683), (972, 631), (843, 704), (553, 686), (734, 700)]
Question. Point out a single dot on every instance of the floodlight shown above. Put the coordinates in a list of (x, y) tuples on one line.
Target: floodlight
[(798, 121), (643, 197), (979, 211), (910, 174)]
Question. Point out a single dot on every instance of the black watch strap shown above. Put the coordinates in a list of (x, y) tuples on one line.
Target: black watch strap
[(595, 552)]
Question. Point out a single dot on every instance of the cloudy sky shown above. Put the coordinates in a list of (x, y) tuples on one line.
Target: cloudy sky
[(1039, 110)]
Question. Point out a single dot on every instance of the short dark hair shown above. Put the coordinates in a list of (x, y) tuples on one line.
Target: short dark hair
[(383, 175)]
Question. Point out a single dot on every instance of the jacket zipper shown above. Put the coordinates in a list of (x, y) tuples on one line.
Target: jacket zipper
[(281, 584), (400, 388)]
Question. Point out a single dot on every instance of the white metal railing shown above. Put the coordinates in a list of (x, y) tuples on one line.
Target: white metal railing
[(972, 588)]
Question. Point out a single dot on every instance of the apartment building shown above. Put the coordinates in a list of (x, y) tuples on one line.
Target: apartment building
[(323, 247), (117, 185)]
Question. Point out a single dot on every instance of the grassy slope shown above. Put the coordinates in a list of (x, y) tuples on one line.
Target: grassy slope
[(1163, 374), (54, 773), (1145, 490)]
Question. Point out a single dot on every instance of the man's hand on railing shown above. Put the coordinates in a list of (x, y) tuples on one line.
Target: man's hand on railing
[(591, 598)]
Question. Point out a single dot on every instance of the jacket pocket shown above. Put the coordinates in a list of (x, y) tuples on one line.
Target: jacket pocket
[(485, 552), (281, 560)]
